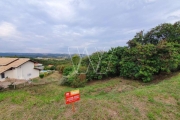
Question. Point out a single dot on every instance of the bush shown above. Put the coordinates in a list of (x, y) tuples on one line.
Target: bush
[(82, 69), (60, 68), (52, 68), (41, 76), (78, 83), (64, 81), (147, 54), (67, 70), (46, 74), (73, 80)]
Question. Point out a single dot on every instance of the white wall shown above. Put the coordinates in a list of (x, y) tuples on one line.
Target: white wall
[(7, 74), (25, 71)]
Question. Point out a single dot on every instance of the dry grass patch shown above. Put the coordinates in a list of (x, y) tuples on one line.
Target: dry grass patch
[(113, 99)]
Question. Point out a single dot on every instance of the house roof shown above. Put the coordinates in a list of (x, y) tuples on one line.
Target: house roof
[(6, 61), (4, 68), (19, 62), (14, 64)]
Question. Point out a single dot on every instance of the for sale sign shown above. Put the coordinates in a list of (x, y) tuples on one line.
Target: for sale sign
[(72, 96)]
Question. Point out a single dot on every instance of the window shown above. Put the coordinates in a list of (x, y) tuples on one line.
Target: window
[(2, 75), (29, 74)]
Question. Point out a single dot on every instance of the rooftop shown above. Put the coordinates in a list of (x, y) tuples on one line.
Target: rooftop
[(8, 63)]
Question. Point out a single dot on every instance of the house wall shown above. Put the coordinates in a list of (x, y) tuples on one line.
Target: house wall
[(7, 74), (25, 71)]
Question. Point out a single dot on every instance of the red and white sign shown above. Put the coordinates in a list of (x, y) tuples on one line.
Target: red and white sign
[(72, 96)]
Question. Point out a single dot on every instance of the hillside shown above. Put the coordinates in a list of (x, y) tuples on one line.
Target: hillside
[(35, 55), (110, 99)]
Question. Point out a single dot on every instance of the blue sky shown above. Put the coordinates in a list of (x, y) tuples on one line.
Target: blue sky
[(51, 26)]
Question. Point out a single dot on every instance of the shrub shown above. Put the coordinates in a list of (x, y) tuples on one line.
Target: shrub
[(78, 80), (45, 74), (78, 83), (147, 54), (82, 69), (60, 68), (73, 80), (41, 76), (67, 70), (64, 81), (52, 68)]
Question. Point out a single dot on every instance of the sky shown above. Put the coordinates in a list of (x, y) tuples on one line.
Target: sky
[(57, 26)]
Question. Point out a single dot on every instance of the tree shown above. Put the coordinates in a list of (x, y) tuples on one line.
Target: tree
[(76, 59), (60, 68)]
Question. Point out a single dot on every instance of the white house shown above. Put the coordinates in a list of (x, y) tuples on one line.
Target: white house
[(17, 68)]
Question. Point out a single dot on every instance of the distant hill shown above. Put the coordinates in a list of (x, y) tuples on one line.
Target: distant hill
[(36, 55)]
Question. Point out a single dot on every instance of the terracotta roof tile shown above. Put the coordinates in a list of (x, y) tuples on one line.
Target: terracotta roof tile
[(14, 64), (19, 62), (6, 61), (4, 68)]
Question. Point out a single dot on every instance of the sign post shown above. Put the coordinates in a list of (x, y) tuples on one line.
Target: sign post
[(71, 97), (73, 107)]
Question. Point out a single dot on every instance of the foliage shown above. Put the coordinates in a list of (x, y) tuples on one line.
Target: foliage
[(147, 54), (76, 59), (53, 62), (67, 70), (41, 75), (45, 74), (52, 68), (73, 80), (60, 68), (103, 64), (166, 31), (82, 69), (64, 81)]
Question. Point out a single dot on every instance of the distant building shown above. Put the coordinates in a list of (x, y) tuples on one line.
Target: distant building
[(38, 66), (17, 68), (50, 66)]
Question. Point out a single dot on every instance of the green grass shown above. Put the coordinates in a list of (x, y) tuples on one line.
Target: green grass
[(113, 99)]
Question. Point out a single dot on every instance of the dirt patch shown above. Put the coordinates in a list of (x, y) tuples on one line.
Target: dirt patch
[(141, 106), (108, 89), (92, 82), (169, 100), (5, 84), (125, 88), (112, 114), (136, 107), (159, 78)]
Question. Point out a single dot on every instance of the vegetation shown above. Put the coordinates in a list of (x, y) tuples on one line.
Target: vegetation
[(147, 55), (114, 99), (60, 68), (153, 53), (53, 62), (41, 76), (67, 70)]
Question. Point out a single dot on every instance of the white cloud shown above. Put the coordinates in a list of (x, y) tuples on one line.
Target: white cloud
[(150, 1), (130, 31), (74, 32), (57, 9), (40, 25), (8, 30), (173, 16)]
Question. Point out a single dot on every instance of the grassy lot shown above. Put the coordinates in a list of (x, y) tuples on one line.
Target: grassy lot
[(50, 78), (114, 99)]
